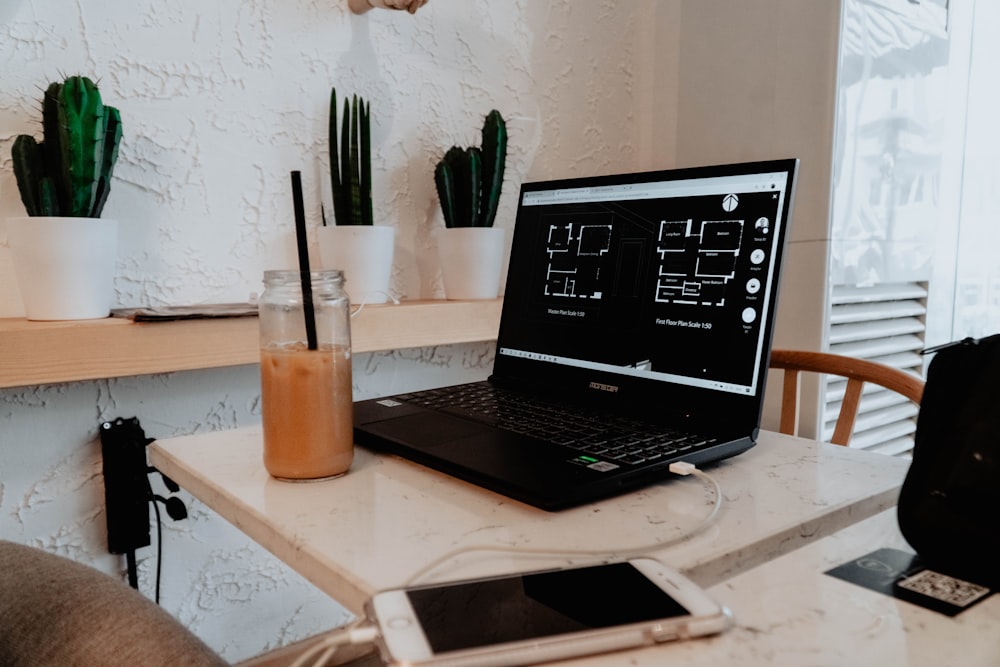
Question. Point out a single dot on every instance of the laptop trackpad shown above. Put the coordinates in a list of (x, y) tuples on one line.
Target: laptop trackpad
[(426, 430)]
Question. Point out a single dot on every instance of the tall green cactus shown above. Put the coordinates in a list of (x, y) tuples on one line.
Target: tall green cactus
[(69, 172), (351, 162), (469, 180), (494, 159)]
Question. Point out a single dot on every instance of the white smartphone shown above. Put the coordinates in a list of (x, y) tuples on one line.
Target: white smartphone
[(539, 616)]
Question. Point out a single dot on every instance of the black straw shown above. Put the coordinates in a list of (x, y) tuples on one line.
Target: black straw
[(306, 276)]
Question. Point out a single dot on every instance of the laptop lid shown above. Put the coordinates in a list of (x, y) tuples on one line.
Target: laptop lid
[(650, 293)]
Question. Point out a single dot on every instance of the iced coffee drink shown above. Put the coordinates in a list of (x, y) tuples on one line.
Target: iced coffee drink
[(307, 411)]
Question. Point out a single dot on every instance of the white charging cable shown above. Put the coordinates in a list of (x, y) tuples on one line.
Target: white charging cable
[(364, 301), (682, 468), (362, 632)]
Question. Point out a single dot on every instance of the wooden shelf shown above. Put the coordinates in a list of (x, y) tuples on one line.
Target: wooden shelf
[(33, 353)]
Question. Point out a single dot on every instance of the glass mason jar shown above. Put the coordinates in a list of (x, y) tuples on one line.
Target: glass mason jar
[(306, 401)]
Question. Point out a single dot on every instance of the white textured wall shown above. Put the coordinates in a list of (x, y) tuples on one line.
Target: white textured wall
[(220, 100), (229, 591)]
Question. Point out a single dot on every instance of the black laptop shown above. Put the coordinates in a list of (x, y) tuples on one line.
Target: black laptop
[(635, 332)]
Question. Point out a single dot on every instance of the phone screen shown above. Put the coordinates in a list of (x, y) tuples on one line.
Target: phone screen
[(531, 606)]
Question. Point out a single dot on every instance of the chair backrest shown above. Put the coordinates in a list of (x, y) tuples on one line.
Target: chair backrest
[(56, 611), (857, 372)]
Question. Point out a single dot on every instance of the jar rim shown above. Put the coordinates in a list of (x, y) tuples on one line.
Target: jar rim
[(291, 275)]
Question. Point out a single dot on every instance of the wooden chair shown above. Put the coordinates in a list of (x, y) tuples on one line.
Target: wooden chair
[(857, 372)]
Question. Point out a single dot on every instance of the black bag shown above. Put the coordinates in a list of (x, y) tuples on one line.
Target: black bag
[(949, 506)]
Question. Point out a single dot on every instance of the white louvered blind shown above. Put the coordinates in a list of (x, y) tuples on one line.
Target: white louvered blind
[(883, 323)]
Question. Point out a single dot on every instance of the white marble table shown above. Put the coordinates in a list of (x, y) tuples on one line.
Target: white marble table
[(385, 521), (789, 613)]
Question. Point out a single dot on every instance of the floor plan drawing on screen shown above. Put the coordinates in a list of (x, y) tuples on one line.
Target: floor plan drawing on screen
[(575, 253), (697, 260)]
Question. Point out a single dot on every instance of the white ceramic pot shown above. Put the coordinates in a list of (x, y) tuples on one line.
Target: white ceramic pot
[(65, 267), (364, 254), (471, 261)]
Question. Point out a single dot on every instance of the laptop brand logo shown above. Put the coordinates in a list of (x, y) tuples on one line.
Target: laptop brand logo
[(610, 388)]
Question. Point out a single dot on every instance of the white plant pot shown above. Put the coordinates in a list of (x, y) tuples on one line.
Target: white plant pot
[(65, 267), (471, 261), (364, 254)]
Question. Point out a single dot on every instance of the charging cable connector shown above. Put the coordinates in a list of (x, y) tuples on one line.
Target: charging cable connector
[(682, 468)]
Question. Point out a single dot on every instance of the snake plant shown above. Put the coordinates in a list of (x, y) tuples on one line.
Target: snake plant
[(68, 173), (469, 179), (351, 162)]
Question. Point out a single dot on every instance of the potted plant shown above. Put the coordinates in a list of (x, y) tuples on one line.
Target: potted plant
[(469, 181), (64, 252), (354, 244)]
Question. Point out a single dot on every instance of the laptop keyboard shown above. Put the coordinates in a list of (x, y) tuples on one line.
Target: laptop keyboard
[(611, 437)]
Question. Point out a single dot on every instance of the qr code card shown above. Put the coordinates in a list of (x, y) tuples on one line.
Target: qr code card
[(948, 591), (901, 575)]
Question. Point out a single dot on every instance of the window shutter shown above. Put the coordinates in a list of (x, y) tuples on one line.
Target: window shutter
[(883, 323)]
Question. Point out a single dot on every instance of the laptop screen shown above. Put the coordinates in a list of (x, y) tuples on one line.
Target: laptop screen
[(662, 276)]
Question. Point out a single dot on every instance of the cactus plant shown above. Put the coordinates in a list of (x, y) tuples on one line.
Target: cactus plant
[(469, 180), (351, 162), (69, 172)]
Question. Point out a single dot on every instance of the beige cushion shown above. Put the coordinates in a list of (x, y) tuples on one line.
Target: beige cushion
[(54, 611)]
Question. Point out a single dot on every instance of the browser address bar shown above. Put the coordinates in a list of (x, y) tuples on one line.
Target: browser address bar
[(725, 185)]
